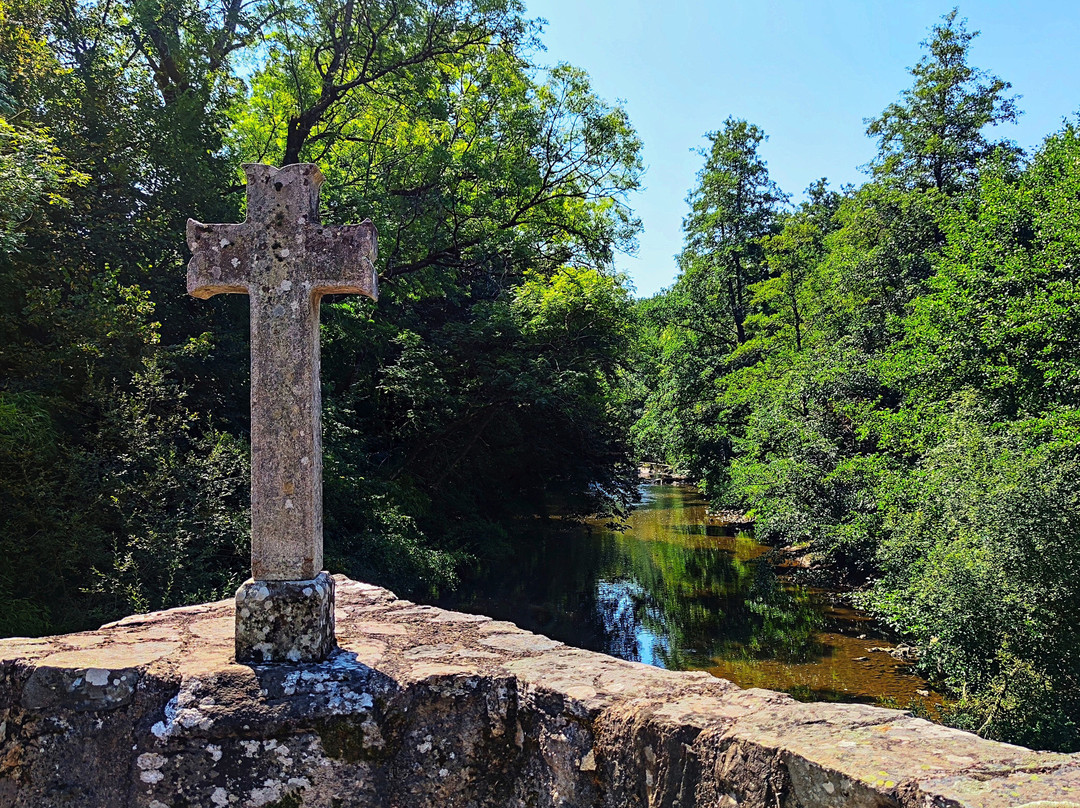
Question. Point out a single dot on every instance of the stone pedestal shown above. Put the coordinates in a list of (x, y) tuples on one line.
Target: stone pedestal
[(285, 621)]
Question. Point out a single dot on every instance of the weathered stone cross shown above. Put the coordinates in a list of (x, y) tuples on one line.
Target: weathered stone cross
[(285, 261)]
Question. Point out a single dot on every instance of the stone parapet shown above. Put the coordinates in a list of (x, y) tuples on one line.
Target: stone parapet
[(425, 707)]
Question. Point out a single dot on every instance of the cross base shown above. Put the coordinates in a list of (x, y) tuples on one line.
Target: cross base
[(285, 621)]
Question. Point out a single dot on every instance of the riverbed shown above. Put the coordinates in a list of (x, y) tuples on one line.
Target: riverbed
[(680, 591)]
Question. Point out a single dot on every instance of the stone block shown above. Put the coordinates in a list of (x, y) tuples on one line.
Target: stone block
[(285, 621)]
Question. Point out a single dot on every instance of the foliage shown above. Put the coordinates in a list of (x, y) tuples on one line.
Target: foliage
[(978, 570), (731, 208), (699, 326), (905, 398), (479, 389), (933, 137), (31, 173), (178, 501)]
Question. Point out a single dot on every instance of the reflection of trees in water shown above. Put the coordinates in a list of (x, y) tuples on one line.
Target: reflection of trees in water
[(618, 606), (679, 607), (788, 620), (657, 593)]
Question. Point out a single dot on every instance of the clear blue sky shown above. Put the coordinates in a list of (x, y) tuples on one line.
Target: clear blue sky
[(806, 72)]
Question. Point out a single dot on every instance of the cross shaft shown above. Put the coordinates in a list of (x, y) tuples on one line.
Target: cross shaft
[(285, 261)]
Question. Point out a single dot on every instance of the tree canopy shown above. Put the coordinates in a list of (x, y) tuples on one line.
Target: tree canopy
[(479, 388), (900, 400)]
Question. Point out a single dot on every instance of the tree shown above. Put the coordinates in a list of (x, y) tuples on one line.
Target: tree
[(329, 53), (485, 178), (187, 44), (733, 205), (785, 299), (905, 404), (934, 136), (482, 384)]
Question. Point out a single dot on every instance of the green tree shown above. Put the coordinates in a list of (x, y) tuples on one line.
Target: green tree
[(698, 325), (326, 56), (485, 178), (934, 136), (905, 402), (32, 173), (733, 205), (785, 300)]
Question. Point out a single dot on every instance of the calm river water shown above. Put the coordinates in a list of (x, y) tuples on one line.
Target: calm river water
[(678, 592)]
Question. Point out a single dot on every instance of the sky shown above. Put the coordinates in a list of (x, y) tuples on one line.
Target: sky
[(808, 72)]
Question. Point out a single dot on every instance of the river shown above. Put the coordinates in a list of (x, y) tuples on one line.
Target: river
[(677, 591)]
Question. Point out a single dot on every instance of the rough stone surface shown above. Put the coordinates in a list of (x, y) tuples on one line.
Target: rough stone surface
[(285, 261), (285, 621), (424, 707)]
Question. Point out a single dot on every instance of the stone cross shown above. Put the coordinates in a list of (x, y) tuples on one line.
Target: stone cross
[(285, 261)]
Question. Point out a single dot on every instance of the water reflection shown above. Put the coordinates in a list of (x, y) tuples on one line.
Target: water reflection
[(679, 592)]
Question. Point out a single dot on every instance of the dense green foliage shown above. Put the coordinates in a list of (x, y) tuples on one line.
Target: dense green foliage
[(477, 389), (889, 376), (884, 374)]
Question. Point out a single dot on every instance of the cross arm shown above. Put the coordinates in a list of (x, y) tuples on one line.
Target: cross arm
[(221, 258), (343, 259)]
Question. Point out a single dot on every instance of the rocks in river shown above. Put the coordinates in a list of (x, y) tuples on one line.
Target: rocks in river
[(661, 474), (730, 516), (901, 652)]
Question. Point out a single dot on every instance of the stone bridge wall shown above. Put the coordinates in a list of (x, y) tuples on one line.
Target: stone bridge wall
[(424, 707)]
